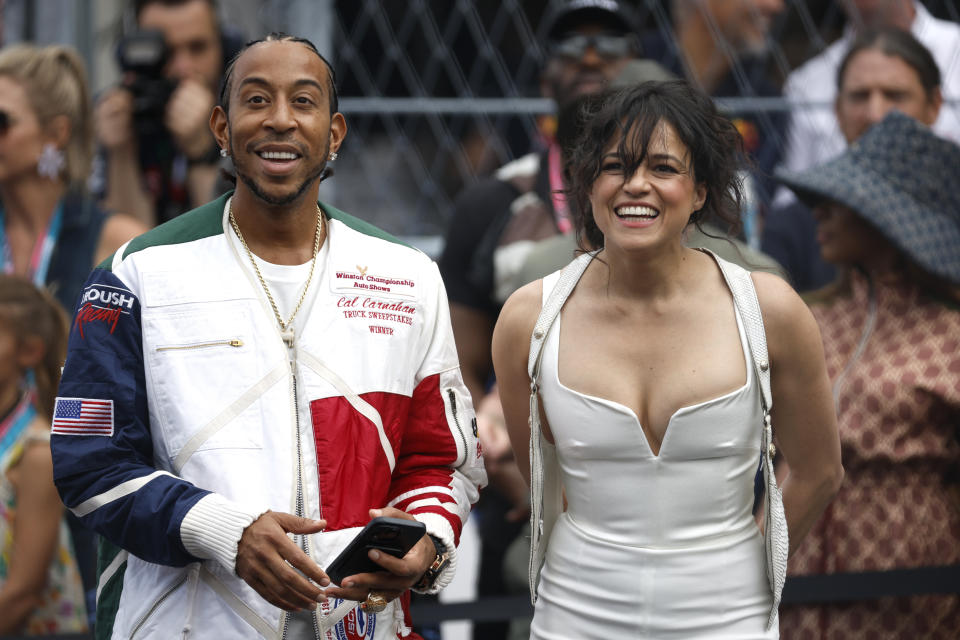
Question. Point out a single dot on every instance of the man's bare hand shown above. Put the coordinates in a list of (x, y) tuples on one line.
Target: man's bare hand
[(398, 575), (188, 117), (113, 120), (267, 560)]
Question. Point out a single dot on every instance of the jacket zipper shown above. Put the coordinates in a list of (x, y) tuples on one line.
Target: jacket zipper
[(456, 421), (299, 506), (203, 345), (156, 604), (868, 327)]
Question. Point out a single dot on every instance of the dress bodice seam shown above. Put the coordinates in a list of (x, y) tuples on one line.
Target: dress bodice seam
[(553, 353)]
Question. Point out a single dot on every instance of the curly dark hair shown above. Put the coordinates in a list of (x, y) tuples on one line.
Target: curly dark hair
[(631, 115)]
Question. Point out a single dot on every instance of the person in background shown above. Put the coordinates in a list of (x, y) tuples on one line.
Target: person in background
[(888, 217), (51, 230), (493, 226), (885, 69), (720, 46), (814, 134), (40, 587), (163, 161), (652, 392)]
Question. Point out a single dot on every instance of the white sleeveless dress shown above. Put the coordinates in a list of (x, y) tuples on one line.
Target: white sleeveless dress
[(653, 546)]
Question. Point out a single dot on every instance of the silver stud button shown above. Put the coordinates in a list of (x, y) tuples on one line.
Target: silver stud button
[(764, 365)]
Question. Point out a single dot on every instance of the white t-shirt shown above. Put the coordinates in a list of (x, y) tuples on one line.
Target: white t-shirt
[(286, 282)]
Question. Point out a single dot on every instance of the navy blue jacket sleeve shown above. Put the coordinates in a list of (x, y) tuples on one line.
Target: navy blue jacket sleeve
[(102, 450)]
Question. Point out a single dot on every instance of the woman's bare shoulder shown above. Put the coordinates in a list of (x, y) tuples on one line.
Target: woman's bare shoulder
[(523, 305), (518, 317), (788, 322)]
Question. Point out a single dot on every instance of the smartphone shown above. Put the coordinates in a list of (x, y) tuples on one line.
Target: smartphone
[(395, 536)]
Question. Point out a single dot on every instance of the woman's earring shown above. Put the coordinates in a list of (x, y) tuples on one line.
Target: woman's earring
[(333, 156), (51, 162), (223, 153)]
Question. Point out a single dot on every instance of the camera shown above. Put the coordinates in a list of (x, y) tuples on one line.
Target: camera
[(142, 56)]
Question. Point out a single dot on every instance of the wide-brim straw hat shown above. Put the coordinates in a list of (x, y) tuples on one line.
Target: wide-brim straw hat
[(905, 181)]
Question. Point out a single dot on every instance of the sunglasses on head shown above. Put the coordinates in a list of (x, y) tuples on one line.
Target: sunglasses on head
[(606, 46)]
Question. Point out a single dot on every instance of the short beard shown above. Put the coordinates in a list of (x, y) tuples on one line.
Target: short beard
[(282, 200), (279, 201)]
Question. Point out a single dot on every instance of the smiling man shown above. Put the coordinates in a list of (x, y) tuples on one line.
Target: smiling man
[(282, 373)]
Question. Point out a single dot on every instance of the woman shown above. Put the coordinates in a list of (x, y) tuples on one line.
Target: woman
[(51, 232), (40, 590), (650, 394), (888, 216)]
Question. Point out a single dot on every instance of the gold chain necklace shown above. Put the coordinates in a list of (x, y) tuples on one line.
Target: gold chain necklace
[(287, 336)]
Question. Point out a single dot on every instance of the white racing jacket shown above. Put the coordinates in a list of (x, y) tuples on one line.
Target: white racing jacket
[(183, 416)]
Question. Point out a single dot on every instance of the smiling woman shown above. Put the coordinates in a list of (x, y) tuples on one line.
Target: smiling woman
[(659, 353)]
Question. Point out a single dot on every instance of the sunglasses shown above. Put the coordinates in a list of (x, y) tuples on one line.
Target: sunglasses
[(5, 122), (606, 46)]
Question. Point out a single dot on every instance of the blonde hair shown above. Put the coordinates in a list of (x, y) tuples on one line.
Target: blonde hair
[(55, 81), (28, 311)]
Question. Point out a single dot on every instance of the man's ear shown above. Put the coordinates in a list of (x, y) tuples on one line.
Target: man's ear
[(30, 352), (933, 106), (338, 130), (220, 126), (546, 80)]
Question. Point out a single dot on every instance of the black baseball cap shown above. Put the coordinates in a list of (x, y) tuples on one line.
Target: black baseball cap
[(565, 17)]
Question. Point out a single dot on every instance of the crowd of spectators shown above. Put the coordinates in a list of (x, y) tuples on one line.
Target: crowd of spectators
[(148, 147)]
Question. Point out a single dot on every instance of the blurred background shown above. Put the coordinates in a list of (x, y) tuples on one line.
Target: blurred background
[(436, 92)]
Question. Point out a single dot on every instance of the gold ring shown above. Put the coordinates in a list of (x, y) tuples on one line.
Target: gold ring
[(374, 604)]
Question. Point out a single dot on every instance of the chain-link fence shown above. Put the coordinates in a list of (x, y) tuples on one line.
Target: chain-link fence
[(437, 92)]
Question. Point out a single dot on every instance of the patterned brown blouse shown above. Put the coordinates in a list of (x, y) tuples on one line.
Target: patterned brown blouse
[(893, 357)]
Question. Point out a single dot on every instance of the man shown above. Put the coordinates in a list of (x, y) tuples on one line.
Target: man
[(885, 69), (719, 46), (159, 173), (494, 224), (264, 366), (813, 133)]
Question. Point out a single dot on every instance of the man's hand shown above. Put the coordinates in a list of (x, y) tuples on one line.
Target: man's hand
[(188, 116), (113, 120), (267, 560), (398, 575)]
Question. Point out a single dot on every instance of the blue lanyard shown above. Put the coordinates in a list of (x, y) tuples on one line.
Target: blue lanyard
[(42, 251), (14, 425)]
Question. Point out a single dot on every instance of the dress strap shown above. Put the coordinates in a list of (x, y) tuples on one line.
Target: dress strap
[(544, 471), (776, 539)]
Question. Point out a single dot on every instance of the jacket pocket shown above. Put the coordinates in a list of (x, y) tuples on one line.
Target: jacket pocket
[(200, 358), (146, 622)]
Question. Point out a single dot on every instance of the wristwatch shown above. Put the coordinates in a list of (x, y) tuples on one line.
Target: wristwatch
[(429, 577)]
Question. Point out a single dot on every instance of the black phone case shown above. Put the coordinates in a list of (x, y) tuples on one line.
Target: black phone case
[(395, 536)]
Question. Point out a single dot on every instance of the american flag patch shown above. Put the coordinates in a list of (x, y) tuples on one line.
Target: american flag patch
[(83, 417)]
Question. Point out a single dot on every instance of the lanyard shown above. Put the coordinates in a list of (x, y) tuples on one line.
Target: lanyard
[(42, 250), (560, 207), (13, 426)]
